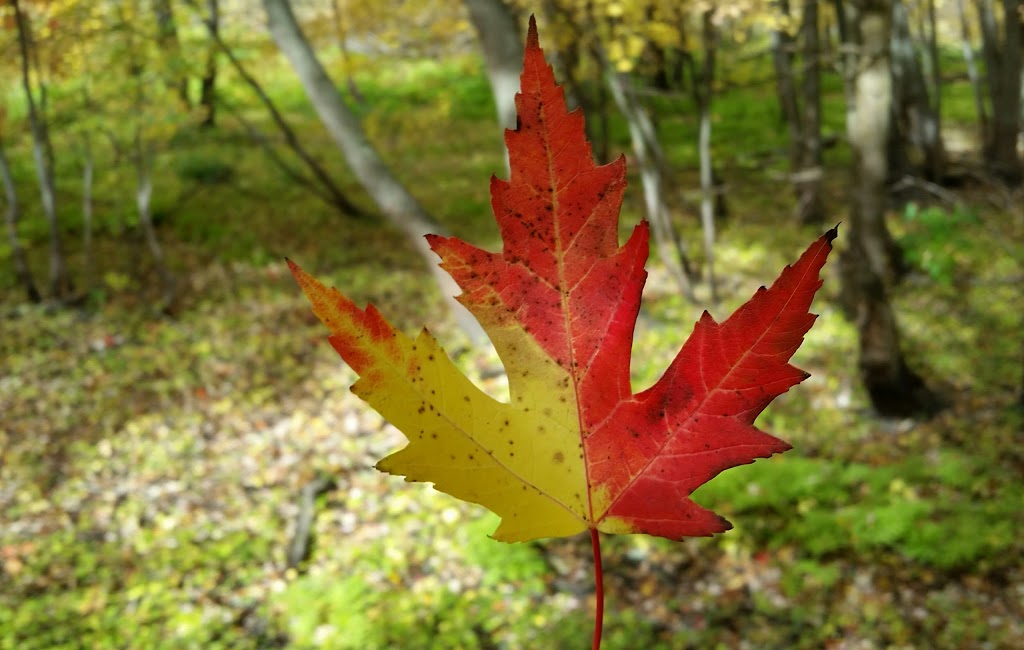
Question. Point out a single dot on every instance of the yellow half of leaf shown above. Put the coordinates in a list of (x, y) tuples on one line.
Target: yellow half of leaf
[(522, 462)]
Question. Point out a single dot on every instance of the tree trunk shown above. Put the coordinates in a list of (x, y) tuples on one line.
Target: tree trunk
[(868, 96), (707, 181), (785, 84), (650, 160), (325, 186), (932, 62), (143, 199), (88, 171), (142, 155), (894, 389), (972, 72), (1020, 386), (43, 157), (1003, 72), (810, 208), (803, 122), (934, 148), (87, 183), (208, 84), (847, 52), (21, 268), (701, 90), (918, 121), (167, 38), (903, 65), (398, 206), (498, 31)]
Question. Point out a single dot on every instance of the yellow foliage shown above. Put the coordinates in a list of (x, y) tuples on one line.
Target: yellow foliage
[(664, 35)]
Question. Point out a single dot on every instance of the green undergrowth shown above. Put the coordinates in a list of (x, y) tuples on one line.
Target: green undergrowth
[(505, 599), (945, 510), (932, 241), (152, 581)]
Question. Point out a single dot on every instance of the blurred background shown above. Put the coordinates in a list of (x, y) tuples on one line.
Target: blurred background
[(182, 465)]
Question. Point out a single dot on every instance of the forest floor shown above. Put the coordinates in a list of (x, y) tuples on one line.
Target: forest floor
[(152, 468)]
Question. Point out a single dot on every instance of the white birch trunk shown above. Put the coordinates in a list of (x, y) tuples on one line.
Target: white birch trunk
[(707, 181), (502, 46), (44, 169), (893, 387), (21, 268), (651, 162), (87, 184), (395, 202)]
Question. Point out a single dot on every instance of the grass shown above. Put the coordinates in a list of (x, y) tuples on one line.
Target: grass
[(151, 466)]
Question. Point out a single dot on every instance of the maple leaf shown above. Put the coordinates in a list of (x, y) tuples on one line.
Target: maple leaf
[(575, 449)]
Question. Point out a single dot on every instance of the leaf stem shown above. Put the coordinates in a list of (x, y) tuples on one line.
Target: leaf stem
[(595, 542)]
